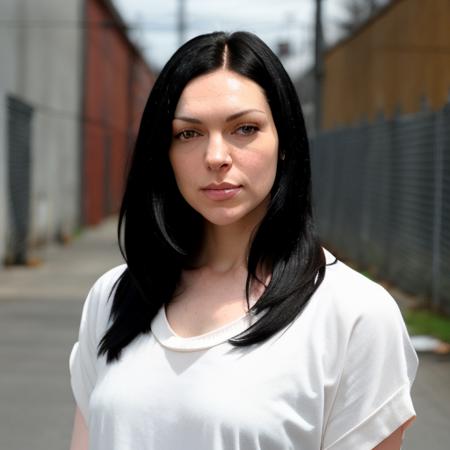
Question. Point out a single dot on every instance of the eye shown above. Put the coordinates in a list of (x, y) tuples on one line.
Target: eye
[(185, 135), (247, 130)]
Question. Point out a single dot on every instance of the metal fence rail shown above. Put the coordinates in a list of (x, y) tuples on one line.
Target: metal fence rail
[(382, 199)]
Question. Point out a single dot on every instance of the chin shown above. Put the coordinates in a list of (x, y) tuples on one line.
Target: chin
[(221, 216), (225, 217), (221, 220)]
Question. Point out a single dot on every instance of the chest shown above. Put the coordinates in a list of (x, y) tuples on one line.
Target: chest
[(204, 303), (271, 396)]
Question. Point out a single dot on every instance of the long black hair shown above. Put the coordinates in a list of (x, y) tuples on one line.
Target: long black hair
[(158, 231)]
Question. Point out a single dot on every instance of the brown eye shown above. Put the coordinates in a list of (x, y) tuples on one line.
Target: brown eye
[(247, 130), (187, 134)]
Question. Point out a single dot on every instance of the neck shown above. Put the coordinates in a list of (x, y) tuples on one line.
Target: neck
[(225, 253), (225, 247)]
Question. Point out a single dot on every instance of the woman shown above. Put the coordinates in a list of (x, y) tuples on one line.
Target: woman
[(230, 327)]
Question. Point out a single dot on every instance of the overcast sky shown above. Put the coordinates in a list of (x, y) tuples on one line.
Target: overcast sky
[(154, 24)]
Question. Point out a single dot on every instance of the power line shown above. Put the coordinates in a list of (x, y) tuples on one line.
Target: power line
[(65, 24), (78, 117), (157, 26)]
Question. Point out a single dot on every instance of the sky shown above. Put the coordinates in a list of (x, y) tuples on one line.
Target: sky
[(154, 24)]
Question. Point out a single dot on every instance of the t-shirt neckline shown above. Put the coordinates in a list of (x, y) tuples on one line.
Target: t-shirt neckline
[(167, 337)]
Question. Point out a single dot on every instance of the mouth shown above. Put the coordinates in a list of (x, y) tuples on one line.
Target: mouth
[(222, 191), (221, 186)]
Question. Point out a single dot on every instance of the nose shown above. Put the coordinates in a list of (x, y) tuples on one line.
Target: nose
[(217, 153)]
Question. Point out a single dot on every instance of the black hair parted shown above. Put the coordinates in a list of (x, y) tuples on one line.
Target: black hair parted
[(158, 231)]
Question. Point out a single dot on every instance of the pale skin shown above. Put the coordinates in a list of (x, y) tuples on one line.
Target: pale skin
[(223, 132)]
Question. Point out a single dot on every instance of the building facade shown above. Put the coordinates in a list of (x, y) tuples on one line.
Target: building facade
[(397, 63), (381, 163), (117, 83), (40, 94), (69, 102)]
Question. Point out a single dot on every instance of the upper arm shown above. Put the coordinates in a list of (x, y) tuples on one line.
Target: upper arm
[(83, 357), (80, 435), (83, 361), (394, 441), (372, 399)]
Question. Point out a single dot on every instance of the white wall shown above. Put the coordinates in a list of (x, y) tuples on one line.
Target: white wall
[(41, 63), (52, 82)]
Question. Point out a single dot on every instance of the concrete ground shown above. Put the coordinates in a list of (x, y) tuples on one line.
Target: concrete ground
[(39, 317)]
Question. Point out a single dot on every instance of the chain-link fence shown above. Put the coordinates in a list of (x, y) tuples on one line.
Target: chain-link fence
[(382, 199)]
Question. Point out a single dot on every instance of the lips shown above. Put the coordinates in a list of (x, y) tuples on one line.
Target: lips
[(221, 186), (221, 191)]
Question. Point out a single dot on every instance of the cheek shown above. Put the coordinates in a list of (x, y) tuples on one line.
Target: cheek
[(180, 167), (185, 170), (269, 174), (263, 166)]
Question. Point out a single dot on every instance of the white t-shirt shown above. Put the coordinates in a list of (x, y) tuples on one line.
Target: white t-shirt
[(337, 378)]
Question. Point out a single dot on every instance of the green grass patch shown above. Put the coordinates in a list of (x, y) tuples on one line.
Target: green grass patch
[(78, 232), (429, 323)]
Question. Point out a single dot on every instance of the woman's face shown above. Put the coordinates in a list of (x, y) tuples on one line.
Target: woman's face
[(224, 148)]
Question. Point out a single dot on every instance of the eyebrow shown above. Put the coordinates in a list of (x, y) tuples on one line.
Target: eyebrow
[(228, 119)]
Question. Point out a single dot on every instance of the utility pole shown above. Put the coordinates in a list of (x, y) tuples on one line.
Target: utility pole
[(318, 68), (181, 22)]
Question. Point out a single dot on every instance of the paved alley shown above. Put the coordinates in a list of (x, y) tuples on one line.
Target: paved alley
[(39, 316)]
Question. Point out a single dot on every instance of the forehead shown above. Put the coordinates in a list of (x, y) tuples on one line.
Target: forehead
[(221, 89)]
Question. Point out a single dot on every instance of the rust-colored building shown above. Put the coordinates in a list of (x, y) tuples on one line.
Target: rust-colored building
[(397, 62), (117, 82)]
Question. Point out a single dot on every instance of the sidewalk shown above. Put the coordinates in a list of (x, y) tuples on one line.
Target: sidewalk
[(40, 310)]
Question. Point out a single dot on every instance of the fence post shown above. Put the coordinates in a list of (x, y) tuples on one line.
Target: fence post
[(392, 125), (437, 210), (364, 152)]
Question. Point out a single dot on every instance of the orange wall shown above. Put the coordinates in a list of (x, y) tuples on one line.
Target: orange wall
[(111, 95), (393, 63)]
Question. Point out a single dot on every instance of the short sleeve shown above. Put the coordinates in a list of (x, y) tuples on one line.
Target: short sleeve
[(83, 361), (373, 398)]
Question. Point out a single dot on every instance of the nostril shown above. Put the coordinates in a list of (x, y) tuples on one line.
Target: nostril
[(218, 158), (218, 164)]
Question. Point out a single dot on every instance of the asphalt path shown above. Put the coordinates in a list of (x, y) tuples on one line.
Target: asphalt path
[(39, 317), (40, 312)]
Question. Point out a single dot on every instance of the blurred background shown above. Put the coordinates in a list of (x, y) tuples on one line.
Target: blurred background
[(373, 77)]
